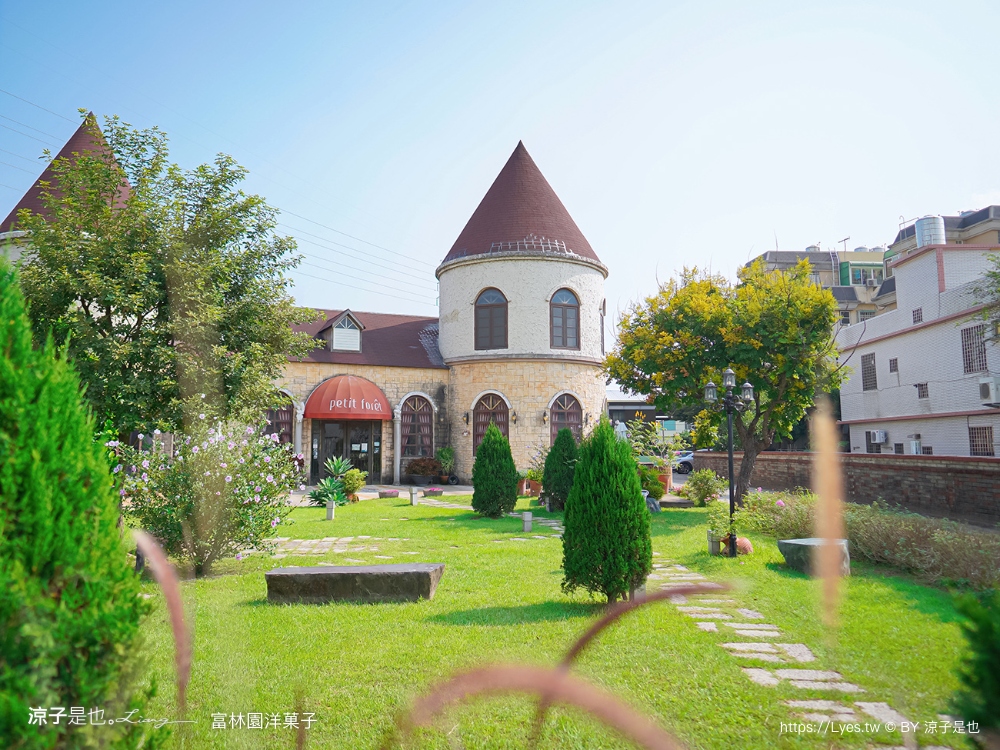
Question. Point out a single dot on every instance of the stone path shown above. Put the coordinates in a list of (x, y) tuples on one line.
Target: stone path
[(339, 545), (766, 650)]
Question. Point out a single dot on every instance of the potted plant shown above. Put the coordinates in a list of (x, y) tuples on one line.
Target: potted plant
[(353, 481), (423, 470), (532, 482), (446, 457), (433, 492), (718, 526)]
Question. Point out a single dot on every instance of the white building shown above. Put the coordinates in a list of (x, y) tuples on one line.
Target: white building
[(924, 379)]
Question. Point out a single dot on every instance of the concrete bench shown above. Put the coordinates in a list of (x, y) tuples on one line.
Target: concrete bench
[(799, 554), (353, 583)]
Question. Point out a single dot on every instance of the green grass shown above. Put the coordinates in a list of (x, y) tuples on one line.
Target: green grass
[(356, 666)]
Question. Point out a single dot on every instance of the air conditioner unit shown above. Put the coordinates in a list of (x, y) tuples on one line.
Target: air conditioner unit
[(989, 391), (871, 283), (878, 437)]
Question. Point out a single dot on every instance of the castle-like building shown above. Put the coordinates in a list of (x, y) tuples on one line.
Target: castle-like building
[(519, 342)]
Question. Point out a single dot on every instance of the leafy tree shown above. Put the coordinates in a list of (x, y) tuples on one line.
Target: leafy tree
[(168, 284), (560, 463), (774, 328), (606, 544), (987, 290), (494, 476), (70, 608)]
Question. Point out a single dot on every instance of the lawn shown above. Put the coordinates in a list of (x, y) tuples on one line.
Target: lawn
[(356, 666)]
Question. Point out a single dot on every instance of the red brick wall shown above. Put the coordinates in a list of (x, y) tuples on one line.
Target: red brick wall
[(961, 488)]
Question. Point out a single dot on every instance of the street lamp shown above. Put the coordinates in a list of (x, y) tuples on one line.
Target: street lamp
[(730, 403)]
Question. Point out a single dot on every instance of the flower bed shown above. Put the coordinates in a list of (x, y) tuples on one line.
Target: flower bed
[(388, 493), (433, 492)]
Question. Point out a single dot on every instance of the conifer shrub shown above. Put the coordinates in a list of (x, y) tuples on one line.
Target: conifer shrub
[(978, 697), (560, 464), (494, 476), (606, 544), (70, 608)]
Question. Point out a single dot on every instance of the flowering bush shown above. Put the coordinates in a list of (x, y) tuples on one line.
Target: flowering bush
[(224, 490), (705, 485)]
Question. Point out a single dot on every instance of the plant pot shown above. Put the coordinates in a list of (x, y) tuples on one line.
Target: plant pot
[(714, 544), (667, 481), (433, 493), (443, 478), (353, 498), (388, 493), (420, 480)]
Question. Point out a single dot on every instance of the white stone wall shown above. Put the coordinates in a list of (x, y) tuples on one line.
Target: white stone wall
[(528, 284), (930, 354)]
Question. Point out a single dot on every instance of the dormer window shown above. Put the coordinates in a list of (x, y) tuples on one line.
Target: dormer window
[(346, 336)]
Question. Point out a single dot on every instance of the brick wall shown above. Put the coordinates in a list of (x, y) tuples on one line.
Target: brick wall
[(961, 488)]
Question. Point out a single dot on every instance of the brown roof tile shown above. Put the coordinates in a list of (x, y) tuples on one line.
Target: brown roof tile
[(387, 340), (88, 137), (520, 204)]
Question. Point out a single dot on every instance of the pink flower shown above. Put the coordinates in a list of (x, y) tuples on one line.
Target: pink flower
[(270, 478), (267, 459), (275, 522), (239, 556), (229, 479), (145, 464), (195, 449), (231, 445), (780, 503)]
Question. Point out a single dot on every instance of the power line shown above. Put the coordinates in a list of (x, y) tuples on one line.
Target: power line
[(36, 106), (14, 166), (10, 187), (381, 280), (402, 255), (25, 125), (378, 281), (326, 247), (365, 289), (25, 134), (33, 161)]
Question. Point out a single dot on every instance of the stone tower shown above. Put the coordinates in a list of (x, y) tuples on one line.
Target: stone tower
[(521, 319)]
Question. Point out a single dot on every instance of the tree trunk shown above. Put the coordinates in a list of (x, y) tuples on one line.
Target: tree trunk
[(751, 449)]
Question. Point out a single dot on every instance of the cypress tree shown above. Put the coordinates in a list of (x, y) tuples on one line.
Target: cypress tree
[(494, 476), (69, 603), (606, 545), (560, 465)]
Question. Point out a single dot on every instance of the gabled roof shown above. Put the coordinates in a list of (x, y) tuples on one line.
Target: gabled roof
[(387, 340), (521, 211), (88, 137), (345, 314)]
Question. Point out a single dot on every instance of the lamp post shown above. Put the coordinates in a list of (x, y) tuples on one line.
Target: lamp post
[(729, 403)]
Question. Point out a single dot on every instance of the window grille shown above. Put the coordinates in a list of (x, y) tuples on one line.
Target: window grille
[(897, 448), (490, 408), (871, 447), (922, 390), (416, 427), (566, 412), (918, 315), (974, 348), (865, 315), (869, 380), (926, 450), (981, 441), (893, 365)]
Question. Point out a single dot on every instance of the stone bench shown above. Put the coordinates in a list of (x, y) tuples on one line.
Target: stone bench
[(408, 582), (799, 554)]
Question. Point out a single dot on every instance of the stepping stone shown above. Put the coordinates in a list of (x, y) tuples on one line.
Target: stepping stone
[(832, 710), (678, 599), (278, 557), (713, 601), (798, 651), (750, 614), (517, 539), (351, 559), (882, 712), (698, 609), (758, 633), (656, 554), (364, 537), (383, 557), (709, 616), (411, 553), (761, 676), (752, 626), (708, 627), (759, 647), (539, 537), (806, 679)]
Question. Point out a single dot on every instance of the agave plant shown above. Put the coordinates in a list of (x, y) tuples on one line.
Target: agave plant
[(329, 489), (337, 467)]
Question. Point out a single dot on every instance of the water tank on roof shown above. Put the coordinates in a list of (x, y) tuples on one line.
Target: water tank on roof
[(813, 249), (930, 231), (861, 249)]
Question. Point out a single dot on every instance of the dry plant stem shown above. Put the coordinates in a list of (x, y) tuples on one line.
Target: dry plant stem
[(829, 489), (554, 685), (166, 577), (614, 612)]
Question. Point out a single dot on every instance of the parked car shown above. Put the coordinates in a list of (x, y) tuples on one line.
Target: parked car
[(684, 462)]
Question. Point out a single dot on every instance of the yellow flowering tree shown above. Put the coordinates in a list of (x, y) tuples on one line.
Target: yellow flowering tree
[(774, 328)]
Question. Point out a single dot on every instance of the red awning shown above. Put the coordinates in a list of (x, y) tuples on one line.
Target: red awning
[(348, 397)]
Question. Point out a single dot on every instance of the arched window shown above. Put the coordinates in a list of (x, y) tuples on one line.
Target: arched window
[(491, 320), (416, 427), (280, 423), (566, 412), (564, 320), (490, 408)]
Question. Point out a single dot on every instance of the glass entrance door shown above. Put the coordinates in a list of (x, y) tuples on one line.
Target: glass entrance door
[(359, 442)]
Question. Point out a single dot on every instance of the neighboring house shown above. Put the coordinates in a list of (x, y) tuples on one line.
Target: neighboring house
[(854, 277), (924, 379), (624, 407), (519, 343)]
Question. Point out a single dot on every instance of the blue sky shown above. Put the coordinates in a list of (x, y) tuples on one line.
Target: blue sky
[(676, 133)]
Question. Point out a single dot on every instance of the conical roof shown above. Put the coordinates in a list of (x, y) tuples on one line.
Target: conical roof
[(521, 211), (88, 137)]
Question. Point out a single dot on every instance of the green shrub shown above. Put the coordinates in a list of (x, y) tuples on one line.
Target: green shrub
[(337, 466), (354, 480), (606, 544), (70, 609), (978, 697), (223, 491), (650, 479), (494, 476), (934, 548), (705, 484), (718, 519), (446, 457), (560, 463), (329, 489)]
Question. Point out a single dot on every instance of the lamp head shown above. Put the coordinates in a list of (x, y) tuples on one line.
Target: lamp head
[(728, 378), (711, 393)]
